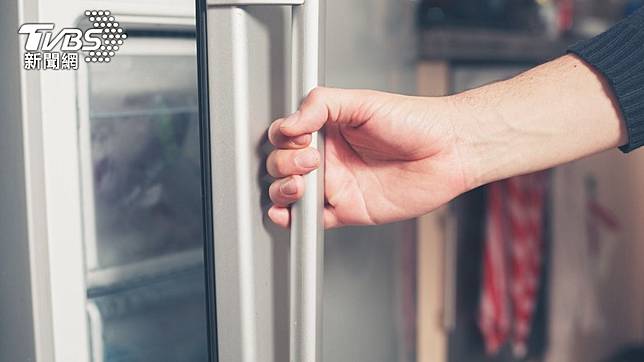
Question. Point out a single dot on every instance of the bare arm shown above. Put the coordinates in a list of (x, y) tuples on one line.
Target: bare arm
[(391, 157), (555, 113)]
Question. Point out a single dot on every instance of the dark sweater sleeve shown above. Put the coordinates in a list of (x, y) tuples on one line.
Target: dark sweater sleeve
[(618, 54)]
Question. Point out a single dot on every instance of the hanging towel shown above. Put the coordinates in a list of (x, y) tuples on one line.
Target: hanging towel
[(512, 261)]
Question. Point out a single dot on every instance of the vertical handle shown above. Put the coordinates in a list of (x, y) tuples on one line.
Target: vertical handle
[(232, 32), (307, 230)]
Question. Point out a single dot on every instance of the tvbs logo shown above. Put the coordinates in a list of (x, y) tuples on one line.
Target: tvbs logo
[(46, 49)]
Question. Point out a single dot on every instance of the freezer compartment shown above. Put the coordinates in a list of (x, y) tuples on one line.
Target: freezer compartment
[(161, 320), (143, 207), (145, 178), (114, 279)]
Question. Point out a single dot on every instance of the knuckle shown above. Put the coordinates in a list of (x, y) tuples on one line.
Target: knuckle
[(280, 163), (281, 166), (272, 166), (316, 94), (269, 160), (273, 192)]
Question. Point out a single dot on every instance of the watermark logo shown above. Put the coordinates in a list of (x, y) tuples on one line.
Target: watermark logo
[(46, 49)]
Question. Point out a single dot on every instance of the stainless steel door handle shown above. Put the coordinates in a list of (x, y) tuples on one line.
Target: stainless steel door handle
[(307, 229), (306, 247)]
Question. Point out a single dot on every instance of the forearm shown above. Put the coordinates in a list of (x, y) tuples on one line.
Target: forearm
[(550, 115)]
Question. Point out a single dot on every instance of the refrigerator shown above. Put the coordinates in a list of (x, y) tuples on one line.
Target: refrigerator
[(134, 195)]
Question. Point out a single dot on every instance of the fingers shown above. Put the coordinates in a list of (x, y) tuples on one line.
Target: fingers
[(279, 140), (292, 137), (286, 191), (321, 105), (281, 216), (283, 163)]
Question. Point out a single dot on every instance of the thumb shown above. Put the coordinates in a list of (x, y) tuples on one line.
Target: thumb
[(344, 106)]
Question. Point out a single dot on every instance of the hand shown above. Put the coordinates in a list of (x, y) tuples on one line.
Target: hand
[(392, 157), (388, 157)]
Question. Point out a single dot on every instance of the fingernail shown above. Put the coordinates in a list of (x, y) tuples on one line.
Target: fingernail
[(290, 120), (272, 213), (302, 140), (288, 187), (307, 159)]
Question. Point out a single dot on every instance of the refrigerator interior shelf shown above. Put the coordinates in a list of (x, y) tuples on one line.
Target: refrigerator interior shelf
[(118, 278), (145, 113)]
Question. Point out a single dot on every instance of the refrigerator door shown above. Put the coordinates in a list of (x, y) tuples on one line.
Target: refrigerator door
[(260, 59), (257, 60), (114, 258), (369, 278)]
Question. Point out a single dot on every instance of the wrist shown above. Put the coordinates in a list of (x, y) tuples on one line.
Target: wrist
[(471, 119)]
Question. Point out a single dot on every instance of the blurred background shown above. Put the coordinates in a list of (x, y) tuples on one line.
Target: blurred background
[(544, 267), (541, 267)]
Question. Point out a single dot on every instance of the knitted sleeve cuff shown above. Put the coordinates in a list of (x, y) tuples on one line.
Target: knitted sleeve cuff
[(618, 55)]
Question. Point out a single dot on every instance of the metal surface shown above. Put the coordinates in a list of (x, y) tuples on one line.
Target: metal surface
[(247, 47), (253, 2), (233, 238), (307, 232), (376, 50), (26, 330)]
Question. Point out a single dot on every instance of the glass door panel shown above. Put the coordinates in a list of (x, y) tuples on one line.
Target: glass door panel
[(158, 320), (145, 157), (142, 185)]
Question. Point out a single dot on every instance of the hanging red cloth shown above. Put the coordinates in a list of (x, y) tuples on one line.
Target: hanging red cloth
[(512, 260)]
